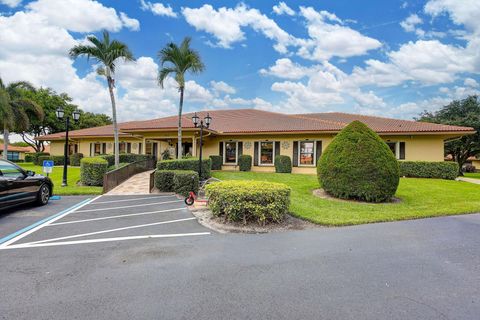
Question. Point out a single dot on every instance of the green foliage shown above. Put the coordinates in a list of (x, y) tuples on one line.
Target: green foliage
[(216, 162), (249, 201), (19, 144), (120, 165), (164, 180), (357, 164), (57, 160), (245, 162), (75, 159), (425, 169), (92, 171), (28, 157), (186, 164), (185, 181), (36, 155), (283, 164), (466, 113), (126, 158)]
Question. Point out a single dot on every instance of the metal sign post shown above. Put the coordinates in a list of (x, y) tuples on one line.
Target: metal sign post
[(47, 166)]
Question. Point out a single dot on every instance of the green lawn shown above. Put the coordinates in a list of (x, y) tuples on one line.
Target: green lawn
[(421, 198), (475, 175), (56, 176)]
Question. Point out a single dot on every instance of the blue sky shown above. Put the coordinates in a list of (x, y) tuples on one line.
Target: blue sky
[(388, 58)]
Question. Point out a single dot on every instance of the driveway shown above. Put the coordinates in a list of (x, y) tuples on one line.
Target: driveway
[(423, 269)]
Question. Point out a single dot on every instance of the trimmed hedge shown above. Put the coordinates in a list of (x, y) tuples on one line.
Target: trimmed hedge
[(186, 164), (359, 165), (425, 169), (57, 160), (36, 155), (75, 159), (245, 162), (283, 164), (249, 201), (92, 171), (185, 181), (217, 162), (125, 158), (164, 180), (28, 157)]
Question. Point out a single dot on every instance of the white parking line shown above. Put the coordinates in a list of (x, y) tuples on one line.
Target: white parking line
[(133, 199), (132, 206), (112, 230), (113, 217), (34, 244)]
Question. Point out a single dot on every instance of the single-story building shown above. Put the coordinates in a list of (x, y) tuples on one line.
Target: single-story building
[(15, 153), (261, 134)]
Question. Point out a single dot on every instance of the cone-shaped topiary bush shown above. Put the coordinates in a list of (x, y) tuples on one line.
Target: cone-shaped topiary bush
[(358, 164)]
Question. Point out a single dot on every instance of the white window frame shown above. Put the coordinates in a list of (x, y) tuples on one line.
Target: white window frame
[(314, 153), (260, 154), (225, 153), (397, 148)]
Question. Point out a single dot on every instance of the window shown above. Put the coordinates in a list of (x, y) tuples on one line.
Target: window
[(9, 170), (97, 149), (398, 149), (72, 148), (124, 147), (307, 153), (230, 152), (267, 152), (13, 155)]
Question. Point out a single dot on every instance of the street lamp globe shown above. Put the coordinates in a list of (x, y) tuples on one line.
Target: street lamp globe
[(208, 120), (76, 115), (60, 113), (195, 119)]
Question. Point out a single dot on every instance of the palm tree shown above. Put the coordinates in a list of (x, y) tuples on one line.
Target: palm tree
[(16, 110), (106, 52), (178, 60)]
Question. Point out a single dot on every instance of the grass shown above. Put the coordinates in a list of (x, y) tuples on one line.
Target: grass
[(475, 175), (421, 198), (56, 176)]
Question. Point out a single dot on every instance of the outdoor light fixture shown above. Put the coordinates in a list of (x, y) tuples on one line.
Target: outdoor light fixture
[(60, 113), (207, 120)]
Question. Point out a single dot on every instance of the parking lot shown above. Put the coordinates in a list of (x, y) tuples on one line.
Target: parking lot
[(109, 219)]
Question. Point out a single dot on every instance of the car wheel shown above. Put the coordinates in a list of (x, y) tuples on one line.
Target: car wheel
[(43, 195)]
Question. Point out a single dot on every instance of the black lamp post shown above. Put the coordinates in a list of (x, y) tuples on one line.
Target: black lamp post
[(205, 123), (60, 115)]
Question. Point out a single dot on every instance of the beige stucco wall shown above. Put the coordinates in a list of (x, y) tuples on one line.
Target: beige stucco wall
[(476, 164)]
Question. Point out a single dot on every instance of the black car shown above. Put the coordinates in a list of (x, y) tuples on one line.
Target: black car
[(18, 186)]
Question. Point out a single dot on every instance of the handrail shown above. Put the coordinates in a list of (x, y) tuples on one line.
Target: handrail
[(115, 177)]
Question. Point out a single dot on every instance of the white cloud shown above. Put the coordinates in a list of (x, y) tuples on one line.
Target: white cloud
[(11, 3), (78, 15), (158, 9), (330, 38), (222, 87), (410, 25), (286, 69), (226, 25), (469, 82), (464, 12), (129, 23), (282, 8)]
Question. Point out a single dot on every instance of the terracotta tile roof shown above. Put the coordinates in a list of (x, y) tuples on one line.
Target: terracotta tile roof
[(17, 149), (237, 121)]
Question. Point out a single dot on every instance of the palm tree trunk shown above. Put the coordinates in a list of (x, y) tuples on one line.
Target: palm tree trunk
[(5, 142), (182, 89), (114, 120)]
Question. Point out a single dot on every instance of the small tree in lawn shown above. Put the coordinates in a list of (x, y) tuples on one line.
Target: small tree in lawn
[(178, 60), (106, 52)]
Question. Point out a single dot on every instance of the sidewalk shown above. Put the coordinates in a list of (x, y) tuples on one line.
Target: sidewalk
[(138, 184), (471, 180)]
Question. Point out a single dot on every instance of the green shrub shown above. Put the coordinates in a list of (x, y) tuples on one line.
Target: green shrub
[(283, 164), (120, 165), (75, 159), (57, 160), (164, 180), (92, 171), (185, 181), (125, 158), (186, 164), (28, 157), (36, 155), (249, 201), (357, 164), (217, 162), (424, 169), (245, 162), (110, 158)]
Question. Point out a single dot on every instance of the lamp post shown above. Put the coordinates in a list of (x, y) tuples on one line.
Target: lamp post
[(204, 123), (60, 115)]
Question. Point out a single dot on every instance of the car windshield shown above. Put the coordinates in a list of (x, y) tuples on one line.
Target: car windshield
[(9, 170)]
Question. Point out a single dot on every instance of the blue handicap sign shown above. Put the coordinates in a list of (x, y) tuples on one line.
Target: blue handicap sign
[(48, 163)]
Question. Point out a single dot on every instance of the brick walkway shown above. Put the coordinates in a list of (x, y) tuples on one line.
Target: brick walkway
[(138, 184), (471, 180)]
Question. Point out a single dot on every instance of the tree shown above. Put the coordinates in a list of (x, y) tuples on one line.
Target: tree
[(49, 100), (16, 110), (464, 112), (178, 61), (106, 52)]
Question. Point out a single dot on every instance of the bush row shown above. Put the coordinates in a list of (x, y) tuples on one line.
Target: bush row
[(75, 159), (126, 158), (425, 169), (57, 160), (178, 181), (33, 157), (217, 162), (249, 201), (187, 164), (92, 171)]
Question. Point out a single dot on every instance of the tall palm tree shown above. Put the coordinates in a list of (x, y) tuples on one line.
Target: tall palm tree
[(178, 60), (106, 52), (16, 110)]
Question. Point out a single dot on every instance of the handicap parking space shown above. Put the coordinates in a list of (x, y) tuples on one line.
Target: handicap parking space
[(113, 218)]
